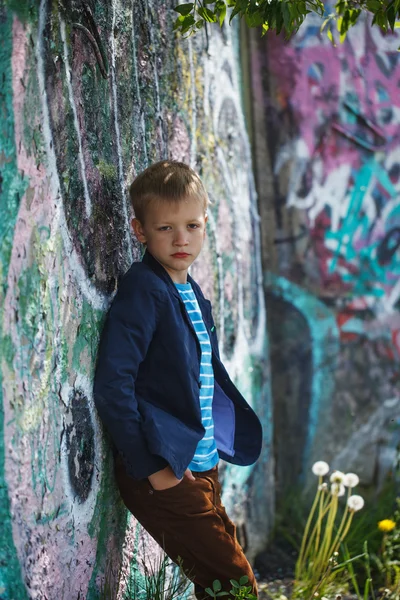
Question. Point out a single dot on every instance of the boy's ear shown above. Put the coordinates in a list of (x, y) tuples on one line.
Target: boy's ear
[(138, 229)]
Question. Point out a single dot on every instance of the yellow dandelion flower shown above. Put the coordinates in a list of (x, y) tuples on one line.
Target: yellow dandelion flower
[(386, 525)]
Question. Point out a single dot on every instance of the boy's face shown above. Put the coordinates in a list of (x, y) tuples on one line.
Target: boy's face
[(174, 234)]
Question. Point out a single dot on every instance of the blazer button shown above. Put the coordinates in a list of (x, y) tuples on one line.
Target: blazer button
[(199, 382)]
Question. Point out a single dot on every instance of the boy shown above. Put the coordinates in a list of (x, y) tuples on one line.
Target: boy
[(163, 392)]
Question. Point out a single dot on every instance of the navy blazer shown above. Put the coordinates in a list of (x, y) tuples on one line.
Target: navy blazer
[(147, 379)]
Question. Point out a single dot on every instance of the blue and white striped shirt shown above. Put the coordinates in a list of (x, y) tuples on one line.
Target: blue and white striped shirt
[(206, 455)]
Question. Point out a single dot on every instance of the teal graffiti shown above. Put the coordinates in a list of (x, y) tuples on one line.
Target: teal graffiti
[(13, 186), (325, 350), (371, 275)]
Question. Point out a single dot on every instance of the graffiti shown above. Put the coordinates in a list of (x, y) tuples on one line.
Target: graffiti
[(335, 166), (359, 214), (356, 137), (80, 442), (319, 341), (91, 98)]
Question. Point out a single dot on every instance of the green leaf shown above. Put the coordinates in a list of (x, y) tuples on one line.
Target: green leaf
[(234, 583), (235, 11), (330, 36), (374, 5), (209, 592), (324, 24), (217, 587), (366, 589), (184, 9), (187, 23), (221, 7), (199, 24), (354, 14), (178, 23), (207, 14), (391, 15), (254, 19), (243, 580), (279, 22)]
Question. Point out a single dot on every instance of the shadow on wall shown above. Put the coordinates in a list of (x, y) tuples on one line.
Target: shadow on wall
[(291, 383)]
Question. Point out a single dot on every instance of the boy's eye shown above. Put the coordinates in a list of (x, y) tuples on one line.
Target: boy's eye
[(163, 228), (193, 225)]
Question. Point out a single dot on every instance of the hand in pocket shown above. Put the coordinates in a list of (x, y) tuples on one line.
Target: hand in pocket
[(165, 479)]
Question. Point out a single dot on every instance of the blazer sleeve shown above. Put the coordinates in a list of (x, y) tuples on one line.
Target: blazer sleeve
[(128, 331)]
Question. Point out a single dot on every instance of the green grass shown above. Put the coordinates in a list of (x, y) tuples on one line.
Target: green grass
[(151, 580)]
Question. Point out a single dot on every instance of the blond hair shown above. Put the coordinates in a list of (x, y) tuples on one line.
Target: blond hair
[(166, 181)]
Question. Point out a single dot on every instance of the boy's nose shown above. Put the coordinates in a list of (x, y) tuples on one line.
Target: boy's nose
[(180, 239)]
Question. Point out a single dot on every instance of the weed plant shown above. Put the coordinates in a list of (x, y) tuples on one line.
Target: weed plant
[(153, 580)]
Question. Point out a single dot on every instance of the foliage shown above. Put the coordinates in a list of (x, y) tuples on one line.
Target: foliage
[(388, 559), (159, 581), (239, 589), (287, 15), (365, 560), (361, 564), (317, 566), (365, 527)]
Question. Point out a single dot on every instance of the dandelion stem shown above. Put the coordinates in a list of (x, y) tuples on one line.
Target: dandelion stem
[(299, 564), (338, 539), (346, 530), (308, 550), (320, 511), (326, 541)]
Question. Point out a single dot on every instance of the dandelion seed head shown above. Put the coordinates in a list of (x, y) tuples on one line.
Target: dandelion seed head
[(337, 477), (323, 487), (355, 503), (338, 489), (336, 554), (320, 468), (351, 480)]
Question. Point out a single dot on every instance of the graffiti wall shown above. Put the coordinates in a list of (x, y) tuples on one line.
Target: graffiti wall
[(93, 92), (331, 116)]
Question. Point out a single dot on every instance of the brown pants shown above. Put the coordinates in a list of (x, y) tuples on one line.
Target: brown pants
[(190, 522)]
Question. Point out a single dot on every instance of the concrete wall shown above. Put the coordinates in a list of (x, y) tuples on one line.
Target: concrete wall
[(88, 99), (326, 144)]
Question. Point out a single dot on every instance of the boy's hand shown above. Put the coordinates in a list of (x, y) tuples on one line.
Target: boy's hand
[(165, 479)]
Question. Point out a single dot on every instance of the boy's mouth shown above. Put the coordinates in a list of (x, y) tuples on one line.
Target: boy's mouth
[(180, 255)]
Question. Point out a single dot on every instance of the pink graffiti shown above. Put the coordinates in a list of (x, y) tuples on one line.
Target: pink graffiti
[(344, 105)]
